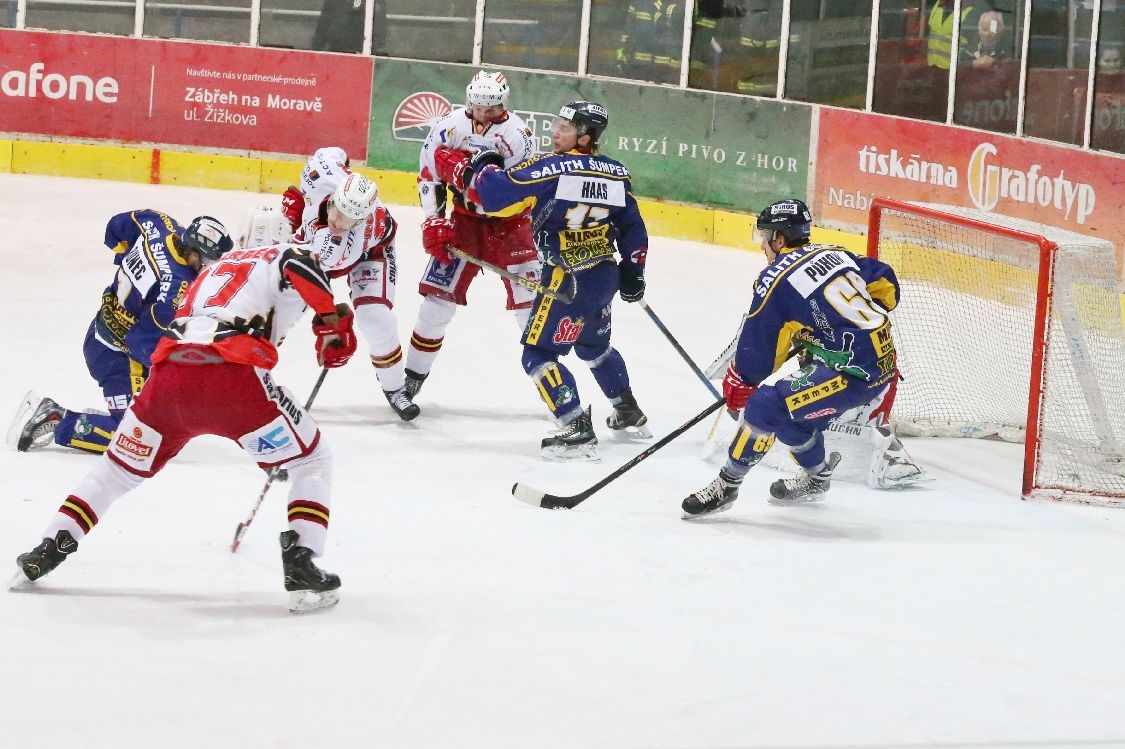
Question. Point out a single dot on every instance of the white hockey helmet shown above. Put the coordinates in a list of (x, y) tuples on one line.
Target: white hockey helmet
[(264, 226), (487, 90), (355, 197)]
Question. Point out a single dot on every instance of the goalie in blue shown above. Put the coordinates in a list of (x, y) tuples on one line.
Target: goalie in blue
[(831, 307)]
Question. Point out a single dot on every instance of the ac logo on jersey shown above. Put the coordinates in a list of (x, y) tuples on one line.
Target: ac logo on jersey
[(568, 330), (273, 440)]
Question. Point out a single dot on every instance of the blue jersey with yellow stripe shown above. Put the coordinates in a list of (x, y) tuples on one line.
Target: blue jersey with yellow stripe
[(582, 207), (151, 277), (827, 303)]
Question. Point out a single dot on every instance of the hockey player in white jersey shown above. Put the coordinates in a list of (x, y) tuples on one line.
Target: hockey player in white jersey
[(321, 175), (211, 375), (353, 235), (484, 123)]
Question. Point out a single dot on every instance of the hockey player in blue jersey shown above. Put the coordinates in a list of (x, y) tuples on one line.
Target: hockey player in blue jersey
[(156, 260), (831, 307), (583, 216)]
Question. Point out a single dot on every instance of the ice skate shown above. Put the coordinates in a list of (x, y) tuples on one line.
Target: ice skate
[(804, 487), (310, 588), (628, 420), (717, 496), (45, 557), (400, 402), (414, 383), (894, 469), (34, 424), (575, 441)]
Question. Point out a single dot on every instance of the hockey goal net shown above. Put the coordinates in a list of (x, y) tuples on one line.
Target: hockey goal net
[(1013, 330)]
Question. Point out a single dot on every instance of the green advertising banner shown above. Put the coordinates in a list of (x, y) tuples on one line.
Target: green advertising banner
[(695, 147)]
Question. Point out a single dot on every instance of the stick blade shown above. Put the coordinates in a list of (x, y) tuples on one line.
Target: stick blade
[(528, 495), (239, 532)]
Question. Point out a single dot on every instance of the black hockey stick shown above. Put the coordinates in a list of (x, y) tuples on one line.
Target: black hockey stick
[(535, 286), (679, 349), (536, 498), (240, 531)]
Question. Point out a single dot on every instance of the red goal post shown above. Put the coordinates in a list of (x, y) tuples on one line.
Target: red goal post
[(1009, 329)]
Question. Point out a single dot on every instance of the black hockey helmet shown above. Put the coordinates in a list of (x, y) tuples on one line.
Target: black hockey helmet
[(208, 237), (588, 118), (791, 217)]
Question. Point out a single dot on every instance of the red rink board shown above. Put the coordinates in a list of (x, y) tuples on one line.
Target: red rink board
[(184, 93)]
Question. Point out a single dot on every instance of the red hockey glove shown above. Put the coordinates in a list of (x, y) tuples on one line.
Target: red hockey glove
[(293, 206), (437, 232), (450, 165), (335, 344), (735, 390)]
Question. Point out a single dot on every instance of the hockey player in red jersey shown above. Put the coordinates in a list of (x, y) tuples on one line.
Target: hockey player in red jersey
[(352, 234), (211, 375), (485, 123)]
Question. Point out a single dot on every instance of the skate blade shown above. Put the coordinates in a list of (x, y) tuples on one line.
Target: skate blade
[(26, 407), (19, 580), (587, 453), (306, 601), (630, 434), (709, 513), (805, 500)]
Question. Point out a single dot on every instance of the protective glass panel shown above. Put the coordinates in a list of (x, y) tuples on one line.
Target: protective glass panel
[(100, 16), (1058, 58), (915, 51), (1108, 129), (988, 73), (205, 20), (438, 30), (641, 40), (828, 51), (539, 35)]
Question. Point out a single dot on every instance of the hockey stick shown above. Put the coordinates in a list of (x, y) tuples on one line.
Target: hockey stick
[(535, 286), (536, 498), (679, 349), (240, 531)]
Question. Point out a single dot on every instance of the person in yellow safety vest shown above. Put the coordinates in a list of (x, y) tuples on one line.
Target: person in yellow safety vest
[(650, 46), (714, 45), (761, 46), (939, 30)]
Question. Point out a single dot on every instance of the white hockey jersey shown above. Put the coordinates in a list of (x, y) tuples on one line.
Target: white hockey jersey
[(512, 138), (242, 306), (339, 252), (323, 173)]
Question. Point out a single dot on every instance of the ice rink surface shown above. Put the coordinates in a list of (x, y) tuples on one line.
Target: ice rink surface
[(950, 615)]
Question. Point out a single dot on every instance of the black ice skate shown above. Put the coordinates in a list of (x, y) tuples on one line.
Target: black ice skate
[(45, 557), (400, 402), (627, 419), (310, 588), (717, 496), (575, 441), (414, 383), (34, 423), (804, 487)]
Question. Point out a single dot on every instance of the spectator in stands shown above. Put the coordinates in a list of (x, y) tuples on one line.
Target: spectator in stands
[(939, 32), (1110, 60), (340, 27), (992, 43), (649, 48)]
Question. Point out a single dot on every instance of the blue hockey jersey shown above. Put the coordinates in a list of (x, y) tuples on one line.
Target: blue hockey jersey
[(826, 303), (151, 278), (582, 207)]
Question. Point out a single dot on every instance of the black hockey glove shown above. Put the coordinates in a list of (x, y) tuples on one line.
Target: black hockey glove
[(484, 157), (632, 284)]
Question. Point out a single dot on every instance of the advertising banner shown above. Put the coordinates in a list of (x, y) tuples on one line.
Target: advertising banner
[(152, 91), (861, 155), (694, 147)]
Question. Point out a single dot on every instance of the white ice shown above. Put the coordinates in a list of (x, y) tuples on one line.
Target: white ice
[(952, 615)]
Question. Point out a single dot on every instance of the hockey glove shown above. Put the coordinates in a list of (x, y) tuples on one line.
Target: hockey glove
[(437, 232), (293, 206), (335, 343), (632, 283), (450, 165), (735, 390)]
